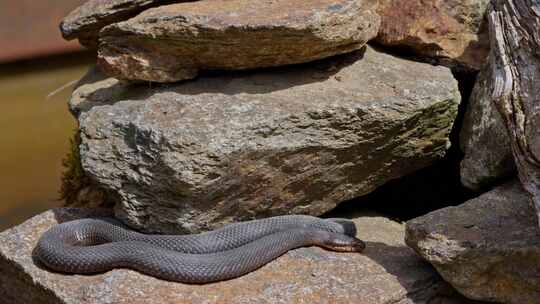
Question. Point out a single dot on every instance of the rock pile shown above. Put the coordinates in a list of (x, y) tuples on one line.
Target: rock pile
[(251, 109), (194, 156)]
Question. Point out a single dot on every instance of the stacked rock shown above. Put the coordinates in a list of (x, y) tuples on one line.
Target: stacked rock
[(313, 118), (203, 113)]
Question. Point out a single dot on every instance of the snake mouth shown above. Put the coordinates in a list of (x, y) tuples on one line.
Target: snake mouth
[(352, 245)]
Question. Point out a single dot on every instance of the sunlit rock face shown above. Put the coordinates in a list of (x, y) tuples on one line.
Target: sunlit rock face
[(174, 42), (488, 248), (196, 155)]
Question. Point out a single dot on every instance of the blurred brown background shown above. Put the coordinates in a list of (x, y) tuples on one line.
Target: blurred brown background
[(34, 129), (29, 28)]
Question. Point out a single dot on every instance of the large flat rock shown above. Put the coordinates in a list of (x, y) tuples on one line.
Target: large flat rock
[(387, 272), (487, 248), (85, 21), (197, 155), (452, 32), (173, 42)]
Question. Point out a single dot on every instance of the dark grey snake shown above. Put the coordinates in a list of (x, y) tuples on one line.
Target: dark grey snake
[(99, 245)]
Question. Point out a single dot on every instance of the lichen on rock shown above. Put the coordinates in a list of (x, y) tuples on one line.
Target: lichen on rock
[(76, 188)]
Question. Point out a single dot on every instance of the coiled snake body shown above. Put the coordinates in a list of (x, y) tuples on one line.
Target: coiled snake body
[(98, 245)]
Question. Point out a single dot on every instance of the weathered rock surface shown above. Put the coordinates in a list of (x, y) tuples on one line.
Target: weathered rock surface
[(450, 31), (87, 20), (487, 248), (484, 139), (515, 65), (387, 272), (197, 155), (171, 43)]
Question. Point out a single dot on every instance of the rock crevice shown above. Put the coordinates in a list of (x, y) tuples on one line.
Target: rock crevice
[(174, 42)]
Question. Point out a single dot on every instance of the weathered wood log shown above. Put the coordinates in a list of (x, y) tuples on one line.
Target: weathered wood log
[(515, 68)]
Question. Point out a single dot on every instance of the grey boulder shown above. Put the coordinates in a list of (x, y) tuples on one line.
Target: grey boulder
[(487, 248), (297, 140)]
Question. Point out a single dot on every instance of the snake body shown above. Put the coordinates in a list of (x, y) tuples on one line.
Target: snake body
[(98, 245)]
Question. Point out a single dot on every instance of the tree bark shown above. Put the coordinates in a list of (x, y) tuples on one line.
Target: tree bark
[(515, 65)]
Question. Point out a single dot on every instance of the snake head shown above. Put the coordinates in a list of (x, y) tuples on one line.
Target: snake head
[(348, 226), (340, 242)]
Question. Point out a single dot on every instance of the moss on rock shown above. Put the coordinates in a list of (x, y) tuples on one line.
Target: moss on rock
[(77, 190)]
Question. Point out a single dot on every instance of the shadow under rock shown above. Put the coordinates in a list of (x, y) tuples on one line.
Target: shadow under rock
[(415, 275), (407, 267), (97, 89), (267, 80), (428, 189), (400, 261)]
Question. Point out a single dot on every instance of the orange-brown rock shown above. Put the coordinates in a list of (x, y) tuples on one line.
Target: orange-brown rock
[(452, 32), (171, 43)]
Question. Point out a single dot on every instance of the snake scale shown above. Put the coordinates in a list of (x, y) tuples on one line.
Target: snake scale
[(97, 245)]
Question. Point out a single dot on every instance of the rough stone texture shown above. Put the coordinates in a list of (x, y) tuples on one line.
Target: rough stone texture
[(292, 140), (484, 139), (87, 20), (90, 196), (515, 66), (387, 272), (30, 28), (171, 43), (452, 32), (487, 248)]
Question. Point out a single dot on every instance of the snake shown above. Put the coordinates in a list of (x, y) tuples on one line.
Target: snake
[(97, 245)]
